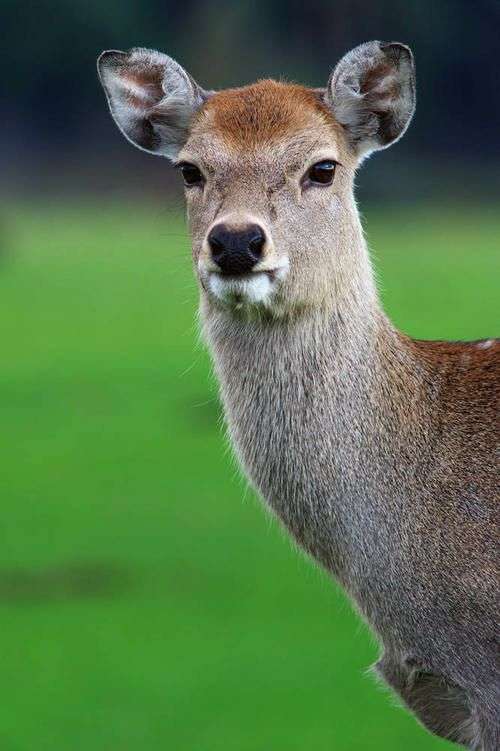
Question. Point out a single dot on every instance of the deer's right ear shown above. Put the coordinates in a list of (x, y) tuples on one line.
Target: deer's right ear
[(151, 98)]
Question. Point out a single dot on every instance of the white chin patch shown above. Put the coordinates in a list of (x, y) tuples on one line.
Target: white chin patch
[(250, 289)]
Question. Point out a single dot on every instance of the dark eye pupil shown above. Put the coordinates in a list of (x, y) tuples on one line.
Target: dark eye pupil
[(191, 174), (322, 172)]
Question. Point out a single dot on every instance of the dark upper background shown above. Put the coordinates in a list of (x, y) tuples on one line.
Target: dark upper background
[(58, 138)]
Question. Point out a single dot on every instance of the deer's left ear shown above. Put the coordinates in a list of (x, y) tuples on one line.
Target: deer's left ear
[(151, 98), (371, 93)]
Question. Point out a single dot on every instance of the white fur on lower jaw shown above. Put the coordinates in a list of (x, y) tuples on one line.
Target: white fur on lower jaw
[(254, 289)]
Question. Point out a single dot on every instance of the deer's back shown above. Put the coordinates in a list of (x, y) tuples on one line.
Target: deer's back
[(466, 383)]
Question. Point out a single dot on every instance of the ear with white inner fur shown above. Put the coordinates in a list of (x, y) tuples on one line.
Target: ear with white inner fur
[(371, 93), (151, 98)]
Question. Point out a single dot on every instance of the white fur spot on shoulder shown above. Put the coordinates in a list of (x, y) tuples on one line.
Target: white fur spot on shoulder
[(486, 344)]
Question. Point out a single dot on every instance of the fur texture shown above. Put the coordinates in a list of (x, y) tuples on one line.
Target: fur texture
[(151, 98), (377, 452), (372, 93)]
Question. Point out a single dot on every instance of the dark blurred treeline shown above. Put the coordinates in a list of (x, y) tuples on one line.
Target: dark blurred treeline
[(56, 129)]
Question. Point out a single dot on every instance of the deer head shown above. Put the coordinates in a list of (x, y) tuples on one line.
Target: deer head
[(268, 168)]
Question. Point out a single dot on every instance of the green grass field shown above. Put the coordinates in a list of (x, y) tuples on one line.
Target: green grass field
[(147, 601)]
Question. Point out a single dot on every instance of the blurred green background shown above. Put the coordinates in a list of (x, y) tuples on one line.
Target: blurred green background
[(146, 599)]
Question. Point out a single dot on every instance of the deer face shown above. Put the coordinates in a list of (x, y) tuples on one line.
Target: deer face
[(267, 175), (268, 168)]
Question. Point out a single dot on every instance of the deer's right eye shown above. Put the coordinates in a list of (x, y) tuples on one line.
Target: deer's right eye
[(191, 174)]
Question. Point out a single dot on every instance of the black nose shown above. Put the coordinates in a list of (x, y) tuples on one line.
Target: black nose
[(236, 251)]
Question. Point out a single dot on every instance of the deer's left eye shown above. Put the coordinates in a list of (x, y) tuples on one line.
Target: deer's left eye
[(321, 173), (191, 174)]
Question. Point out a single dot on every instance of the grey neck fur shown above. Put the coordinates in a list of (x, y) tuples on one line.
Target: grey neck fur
[(317, 410)]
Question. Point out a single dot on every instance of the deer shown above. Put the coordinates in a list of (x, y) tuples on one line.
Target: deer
[(376, 451)]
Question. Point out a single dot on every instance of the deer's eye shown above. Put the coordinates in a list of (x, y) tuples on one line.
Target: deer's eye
[(191, 174), (321, 173)]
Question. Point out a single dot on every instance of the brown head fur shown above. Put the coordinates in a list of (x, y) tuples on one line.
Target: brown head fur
[(264, 113)]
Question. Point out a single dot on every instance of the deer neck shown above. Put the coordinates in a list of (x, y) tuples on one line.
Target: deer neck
[(306, 401)]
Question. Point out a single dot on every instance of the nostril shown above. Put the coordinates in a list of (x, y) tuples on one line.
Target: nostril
[(256, 244), (217, 246)]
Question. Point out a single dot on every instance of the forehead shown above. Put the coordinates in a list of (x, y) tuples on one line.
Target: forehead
[(267, 114)]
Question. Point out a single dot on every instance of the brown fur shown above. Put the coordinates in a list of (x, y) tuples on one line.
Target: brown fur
[(467, 374), (373, 78), (264, 112), (146, 77)]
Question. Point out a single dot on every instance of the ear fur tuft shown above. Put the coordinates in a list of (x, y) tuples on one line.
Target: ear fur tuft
[(371, 93), (151, 98)]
